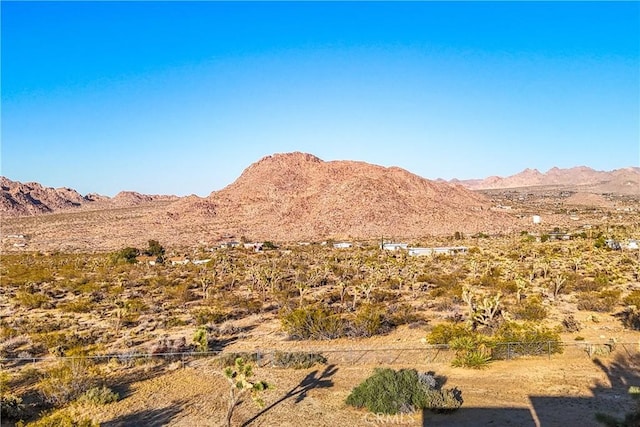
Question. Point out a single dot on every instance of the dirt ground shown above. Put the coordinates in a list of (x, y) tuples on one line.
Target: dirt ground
[(561, 390)]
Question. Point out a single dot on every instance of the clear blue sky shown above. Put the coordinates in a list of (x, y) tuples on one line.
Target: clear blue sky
[(178, 98)]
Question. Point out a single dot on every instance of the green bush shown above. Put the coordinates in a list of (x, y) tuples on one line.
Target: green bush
[(127, 255), (11, 407), (389, 392), (471, 351), (312, 323), (99, 396)]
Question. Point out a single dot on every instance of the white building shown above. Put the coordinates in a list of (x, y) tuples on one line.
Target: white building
[(394, 246)]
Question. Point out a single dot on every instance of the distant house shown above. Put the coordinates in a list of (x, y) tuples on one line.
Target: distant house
[(613, 244), (178, 260), (557, 235), (342, 245), (229, 245), (536, 219), (200, 261), (446, 250), (632, 245), (394, 246)]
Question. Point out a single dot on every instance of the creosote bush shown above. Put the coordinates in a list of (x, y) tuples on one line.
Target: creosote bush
[(99, 396), (390, 392)]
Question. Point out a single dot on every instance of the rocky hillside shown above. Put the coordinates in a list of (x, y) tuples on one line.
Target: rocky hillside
[(622, 181), (298, 196), (32, 198)]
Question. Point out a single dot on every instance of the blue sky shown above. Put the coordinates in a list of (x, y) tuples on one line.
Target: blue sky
[(178, 98)]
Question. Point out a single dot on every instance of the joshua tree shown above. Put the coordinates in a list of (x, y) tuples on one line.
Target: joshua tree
[(240, 384), (557, 284), (481, 313)]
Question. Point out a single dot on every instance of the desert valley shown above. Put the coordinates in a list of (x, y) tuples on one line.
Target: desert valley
[(332, 292)]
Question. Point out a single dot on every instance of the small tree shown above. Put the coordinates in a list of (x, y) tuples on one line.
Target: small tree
[(240, 384)]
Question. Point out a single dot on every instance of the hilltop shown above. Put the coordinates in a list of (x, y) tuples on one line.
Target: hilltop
[(283, 197), (581, 178)]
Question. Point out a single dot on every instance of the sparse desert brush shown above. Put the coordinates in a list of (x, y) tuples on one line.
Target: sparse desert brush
[(67, 381), (80, 305), (312, 323), (630, 317), (367, 321), (444, 333), (61, 419), (633, 298), (603, 301), (32, 299), (297, 360), (98, 396), (203, 316), (531, 309)]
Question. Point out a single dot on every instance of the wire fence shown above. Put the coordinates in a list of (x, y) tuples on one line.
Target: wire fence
[(427, 354)]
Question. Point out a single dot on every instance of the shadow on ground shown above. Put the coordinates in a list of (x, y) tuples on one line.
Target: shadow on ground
[(314, 380), (150, 417), (608, 399)]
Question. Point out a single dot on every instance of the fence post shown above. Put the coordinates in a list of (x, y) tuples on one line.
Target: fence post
[(508, 351), (549, 349)]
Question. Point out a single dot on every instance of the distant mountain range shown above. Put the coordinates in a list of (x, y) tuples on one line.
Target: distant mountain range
[(32, 198), (297, 196), (581, 178)]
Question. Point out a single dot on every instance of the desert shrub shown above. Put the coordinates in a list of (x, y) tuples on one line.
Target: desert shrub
[(298, 359), (312, 323), (61, 419), (67, 381), (633, 298), (390, 392), (99, 396), (11, 407), (127, 255), (570, 324), (630, 318), (229, 359), (204, 316), (444, 333), (531, 309), (577, 283), (81, 305), (402, 314), (471, 351), (603, 301), (368, 320), (33, 300), (513, 339)]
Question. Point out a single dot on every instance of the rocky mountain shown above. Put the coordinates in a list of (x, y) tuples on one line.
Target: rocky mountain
[(32, 198), (298, 196), (623, 181)]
